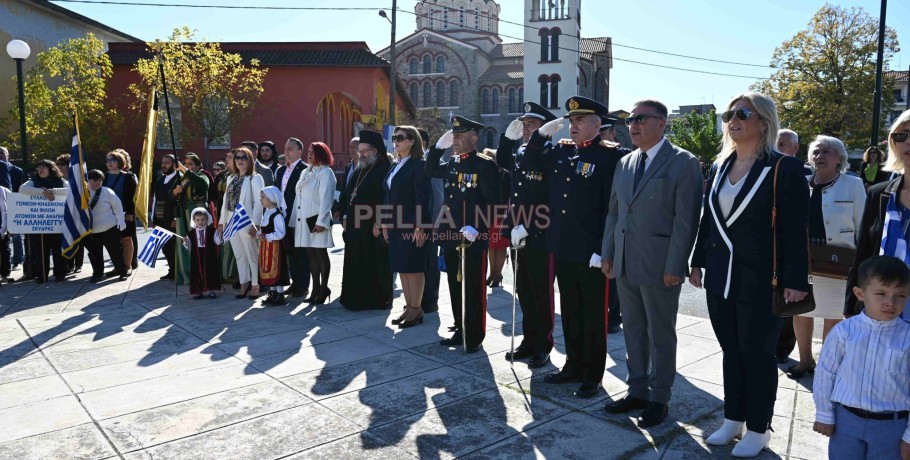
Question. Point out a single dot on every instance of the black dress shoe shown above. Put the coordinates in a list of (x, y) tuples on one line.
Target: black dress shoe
[(562, 376), (297, 293), (587, 390), (625, 404), (614, 328), (539, 360), (453, 328), (453, 341), (473, 349), (520, 353), (653, 415)]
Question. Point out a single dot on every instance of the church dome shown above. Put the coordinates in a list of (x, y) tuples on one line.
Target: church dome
[(450, 15)]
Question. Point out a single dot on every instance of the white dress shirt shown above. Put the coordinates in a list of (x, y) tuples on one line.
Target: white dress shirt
[(652, 152), (864, 364), (107, 212), (287, 175), (279, 231), (395, 168), (167, 179)]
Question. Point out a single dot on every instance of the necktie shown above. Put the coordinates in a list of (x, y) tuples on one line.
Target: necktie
[(640, 170)]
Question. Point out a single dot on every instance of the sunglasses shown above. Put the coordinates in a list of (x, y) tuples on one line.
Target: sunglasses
[(401, 138), (639, 119), (899, 137), (241, 158), (742, 114)]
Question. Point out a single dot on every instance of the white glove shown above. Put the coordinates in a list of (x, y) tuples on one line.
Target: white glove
[(121, 225), (515, 130), (595, 261), (469, 233), (445, 141), (551, 127), (518, 233)]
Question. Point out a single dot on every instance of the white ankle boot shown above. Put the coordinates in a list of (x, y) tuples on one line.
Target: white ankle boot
[(727, 432), (752, 444)]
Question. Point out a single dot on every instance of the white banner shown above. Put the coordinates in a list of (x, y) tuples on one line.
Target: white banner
[(28, 214)]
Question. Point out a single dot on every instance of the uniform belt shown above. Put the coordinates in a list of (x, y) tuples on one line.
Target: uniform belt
[(900, 415)]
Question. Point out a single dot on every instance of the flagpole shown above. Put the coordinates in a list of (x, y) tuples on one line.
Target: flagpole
[(170, 125)]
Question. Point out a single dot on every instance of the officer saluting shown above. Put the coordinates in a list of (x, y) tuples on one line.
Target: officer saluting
[(470, 188), (581, 179), (527, 219)]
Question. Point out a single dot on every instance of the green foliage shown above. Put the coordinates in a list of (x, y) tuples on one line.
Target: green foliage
[(826, 76), (70, 76), (697, 133)]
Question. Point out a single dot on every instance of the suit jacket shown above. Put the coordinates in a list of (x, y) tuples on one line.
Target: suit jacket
[(409, 194), (16, 176), (268, 177), (649, 232), (290, 193), (249, 197), (743, 242)]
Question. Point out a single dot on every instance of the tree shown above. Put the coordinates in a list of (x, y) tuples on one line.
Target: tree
[(430, 119), (216, 91), (697, 133), (825, 80), (78, 69)]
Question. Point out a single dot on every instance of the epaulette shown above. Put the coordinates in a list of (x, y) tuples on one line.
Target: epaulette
[(566, 142), (484, 156), (609, 144)]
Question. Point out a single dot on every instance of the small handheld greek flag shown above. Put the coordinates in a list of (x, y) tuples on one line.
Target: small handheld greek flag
[(239, 221), (153, 246)]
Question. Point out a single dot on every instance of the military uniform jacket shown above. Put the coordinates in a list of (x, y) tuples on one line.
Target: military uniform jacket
[(471, 187), (528, 200), (581, 179)]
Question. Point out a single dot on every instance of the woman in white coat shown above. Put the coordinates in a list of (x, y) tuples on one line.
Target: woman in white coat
[(835, 213), (243, 187), (315, 195)]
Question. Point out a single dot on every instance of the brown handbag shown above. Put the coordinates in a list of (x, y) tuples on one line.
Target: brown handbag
[(779, 306), (832, 261)]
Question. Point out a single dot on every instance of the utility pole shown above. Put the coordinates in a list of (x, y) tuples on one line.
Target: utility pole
[(877, 103)]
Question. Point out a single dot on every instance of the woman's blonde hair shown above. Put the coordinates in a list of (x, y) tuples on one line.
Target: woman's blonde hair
[(894, 163), (767, 116), (416, 142), (832, 142)]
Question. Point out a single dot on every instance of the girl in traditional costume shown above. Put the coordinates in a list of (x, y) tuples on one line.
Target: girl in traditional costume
[(202, 241), (273, 271)]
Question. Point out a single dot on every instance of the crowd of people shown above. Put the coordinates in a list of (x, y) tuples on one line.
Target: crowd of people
[(611, 226)]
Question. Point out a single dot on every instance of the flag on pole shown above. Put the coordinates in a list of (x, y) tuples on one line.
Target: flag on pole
[(77, 218), (153, 246), (144, 189), (239, 221)]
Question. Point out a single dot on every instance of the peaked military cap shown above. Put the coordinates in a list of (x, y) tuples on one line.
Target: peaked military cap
[(462, 125), (577, 105), (607, 121), (535, 110)]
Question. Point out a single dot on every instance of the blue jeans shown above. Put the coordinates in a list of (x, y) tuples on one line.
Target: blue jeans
[(858, 438)]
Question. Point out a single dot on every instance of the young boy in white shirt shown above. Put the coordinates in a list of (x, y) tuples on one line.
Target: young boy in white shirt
[(862, 381)]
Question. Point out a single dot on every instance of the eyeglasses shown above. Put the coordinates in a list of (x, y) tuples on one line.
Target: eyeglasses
[(241, 158), (899, 137), (366, 151), (401, 138), (639, 119), (742, 114)]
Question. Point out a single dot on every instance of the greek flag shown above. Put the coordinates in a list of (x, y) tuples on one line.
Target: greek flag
[(77, 218), (153, 246), (239, 221)]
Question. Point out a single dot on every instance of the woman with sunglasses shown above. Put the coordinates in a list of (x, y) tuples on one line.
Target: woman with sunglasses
[(244, 188), (124, 184), (886, 219), (734, 247), (313, 229)]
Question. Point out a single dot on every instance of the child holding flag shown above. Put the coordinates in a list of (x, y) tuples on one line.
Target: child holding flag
[(202, 242)]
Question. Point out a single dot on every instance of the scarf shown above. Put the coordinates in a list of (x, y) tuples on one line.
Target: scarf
[(894, 238), (234, 192)]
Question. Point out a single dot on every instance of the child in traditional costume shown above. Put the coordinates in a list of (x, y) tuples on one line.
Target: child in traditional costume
[(202, 241), (273, 271)]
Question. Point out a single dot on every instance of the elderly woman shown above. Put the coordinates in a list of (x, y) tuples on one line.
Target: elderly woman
[(313, 231), (872, 171), (47, 181), (123, 183), (835, 209), (886, 218), (243, 188), (735, 246)]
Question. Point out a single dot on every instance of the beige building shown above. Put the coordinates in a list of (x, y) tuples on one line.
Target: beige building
[(42, 25), (901, 93)]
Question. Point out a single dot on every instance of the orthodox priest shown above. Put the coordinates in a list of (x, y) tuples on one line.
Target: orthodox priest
[(366, 282)]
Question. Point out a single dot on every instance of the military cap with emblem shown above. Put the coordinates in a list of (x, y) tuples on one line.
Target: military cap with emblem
[(373, 138), (535, 110), (462, 125), (577, 105), (607, 121)]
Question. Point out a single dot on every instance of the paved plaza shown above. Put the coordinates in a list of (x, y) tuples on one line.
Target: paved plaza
[(129, 370)]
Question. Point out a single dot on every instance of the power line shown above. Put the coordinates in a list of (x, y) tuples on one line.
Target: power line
[(228, 7)]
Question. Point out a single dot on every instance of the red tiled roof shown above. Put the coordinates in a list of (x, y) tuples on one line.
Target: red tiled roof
[(343, 54)]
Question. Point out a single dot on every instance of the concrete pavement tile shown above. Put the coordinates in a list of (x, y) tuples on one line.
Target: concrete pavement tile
[(45, 328), (806, 443), (228, 319), (320, 356), (695, 349), (164, 424), (8, 325), (152, 328), (177, 311), (380, 404), (79, 442), (23, 310), (433, 329), (363, 445), (701, 329), (469, 424), (41, 417), (497, 368), (138, 396), (173, 343), (337, 380), (270, 436), (786, 399), (12, 337), (255, 348), (33, 390), (258, 328), (805, 407), (26, 368), (684, 321), (709, 370), (335, 313)]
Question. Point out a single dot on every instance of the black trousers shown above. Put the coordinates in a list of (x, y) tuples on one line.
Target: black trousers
[(534, 283), (747, 332), (583, 296), (110, 240), (167, 248), (431, 278), (786, 340), (298, 262), (44, 248), (475, 278), (5, 256)]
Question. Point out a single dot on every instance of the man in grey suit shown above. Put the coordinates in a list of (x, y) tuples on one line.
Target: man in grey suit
[(268, 178), (649, 234)]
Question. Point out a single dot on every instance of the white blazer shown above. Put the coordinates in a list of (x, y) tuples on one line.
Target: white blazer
[(315, 196), (249, 197), (842, 208)]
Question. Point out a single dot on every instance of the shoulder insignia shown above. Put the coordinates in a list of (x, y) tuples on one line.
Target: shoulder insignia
[(609, 144), (484, 156), (566, 142)]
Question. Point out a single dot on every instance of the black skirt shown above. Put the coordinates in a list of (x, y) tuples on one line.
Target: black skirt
[(404, 255)]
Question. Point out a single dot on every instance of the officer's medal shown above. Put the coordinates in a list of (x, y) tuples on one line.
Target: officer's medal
[(584, 169)]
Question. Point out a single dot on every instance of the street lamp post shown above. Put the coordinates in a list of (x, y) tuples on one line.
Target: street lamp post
[(19, 51), (393, 76)]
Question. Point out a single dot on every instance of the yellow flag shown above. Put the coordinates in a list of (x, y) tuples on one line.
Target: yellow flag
[(144, 190)]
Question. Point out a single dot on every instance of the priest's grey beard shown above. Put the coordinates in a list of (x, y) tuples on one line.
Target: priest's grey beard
[(366, 162)]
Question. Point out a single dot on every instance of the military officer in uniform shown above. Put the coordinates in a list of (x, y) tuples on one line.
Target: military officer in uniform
[(581, 179), (526, 221), (471, 185)]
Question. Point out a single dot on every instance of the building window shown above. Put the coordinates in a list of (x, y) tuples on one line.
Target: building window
[(521, 95), (495, 100), (554, 90), (554, 44), (544, 34), (440, 94), (544, 90), (453, 94), (489, 138), (461, 17), (413, 91), (441, 64), (898, 97), (427, 64), (485, 97), (427, 94), (164, 135), (476, 17), (412, 66), (445, 18), (512, 108)]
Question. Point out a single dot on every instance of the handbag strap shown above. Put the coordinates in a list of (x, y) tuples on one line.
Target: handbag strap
[(774, 231)]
